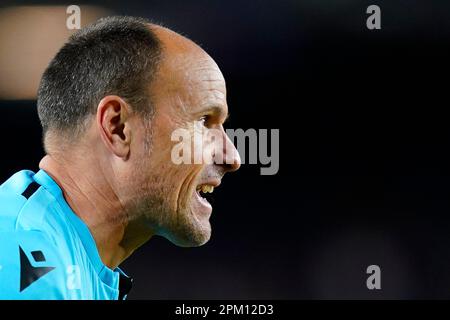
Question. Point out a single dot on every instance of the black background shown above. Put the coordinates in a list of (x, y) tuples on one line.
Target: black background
[(364, 158)]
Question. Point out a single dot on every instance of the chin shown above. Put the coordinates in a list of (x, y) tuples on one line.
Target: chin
[(191, 235)]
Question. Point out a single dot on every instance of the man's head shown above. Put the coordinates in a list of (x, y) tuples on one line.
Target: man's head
[(115, 93)]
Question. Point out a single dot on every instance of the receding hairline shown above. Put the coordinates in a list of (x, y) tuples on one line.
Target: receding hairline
[(174, 43)]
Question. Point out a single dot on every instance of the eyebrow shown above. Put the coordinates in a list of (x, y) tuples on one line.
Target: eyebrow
[(218, 110)]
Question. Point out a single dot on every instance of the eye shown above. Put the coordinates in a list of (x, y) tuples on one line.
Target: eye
[(204, 120)]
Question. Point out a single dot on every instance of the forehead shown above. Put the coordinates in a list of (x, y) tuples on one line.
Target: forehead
[(202, 82), (188, 75)]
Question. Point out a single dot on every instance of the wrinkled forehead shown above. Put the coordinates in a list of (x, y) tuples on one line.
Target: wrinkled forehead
[(200, 79)]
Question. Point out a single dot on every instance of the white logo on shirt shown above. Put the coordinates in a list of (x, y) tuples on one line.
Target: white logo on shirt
[(73, 277)]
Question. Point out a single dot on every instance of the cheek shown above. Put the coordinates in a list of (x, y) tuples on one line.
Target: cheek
[(178, 180)]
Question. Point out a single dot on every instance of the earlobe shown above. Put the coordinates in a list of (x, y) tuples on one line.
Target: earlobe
[(114, 126)]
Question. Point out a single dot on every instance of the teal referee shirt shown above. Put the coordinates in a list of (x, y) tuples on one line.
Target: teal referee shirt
[(46, 251)]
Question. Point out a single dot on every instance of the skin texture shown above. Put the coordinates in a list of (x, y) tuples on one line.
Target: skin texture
[(119, 177)]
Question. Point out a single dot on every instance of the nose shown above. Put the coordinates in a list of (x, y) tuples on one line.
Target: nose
[(231, 158)]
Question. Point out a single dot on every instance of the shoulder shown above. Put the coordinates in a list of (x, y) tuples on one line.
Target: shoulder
[(26, 205), (37, 258)]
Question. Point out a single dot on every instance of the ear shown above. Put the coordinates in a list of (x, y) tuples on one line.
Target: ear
[(113, 115)]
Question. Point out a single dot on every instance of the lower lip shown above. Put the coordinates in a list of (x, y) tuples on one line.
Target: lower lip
[(201, 205)]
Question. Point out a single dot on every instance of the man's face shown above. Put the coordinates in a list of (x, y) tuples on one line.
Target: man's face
[(189, 94)]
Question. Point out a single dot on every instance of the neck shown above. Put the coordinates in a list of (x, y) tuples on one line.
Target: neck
[(94, 201)]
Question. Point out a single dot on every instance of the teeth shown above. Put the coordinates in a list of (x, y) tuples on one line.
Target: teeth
[(206, 189)]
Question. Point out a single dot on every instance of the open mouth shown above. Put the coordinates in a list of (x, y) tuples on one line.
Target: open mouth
[(205, 192), (202, 198)]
